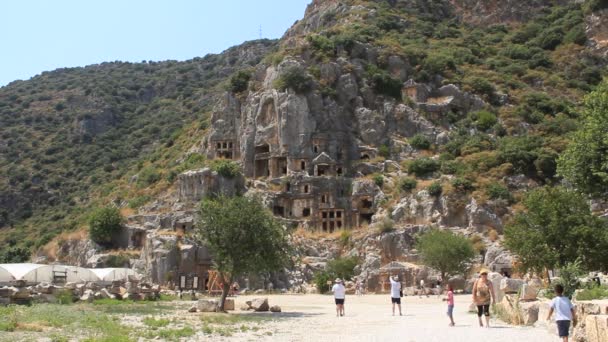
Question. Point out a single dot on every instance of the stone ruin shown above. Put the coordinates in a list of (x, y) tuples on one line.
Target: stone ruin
[(131, 289)]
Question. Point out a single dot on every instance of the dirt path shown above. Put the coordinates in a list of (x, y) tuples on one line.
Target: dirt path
[(368, 318)]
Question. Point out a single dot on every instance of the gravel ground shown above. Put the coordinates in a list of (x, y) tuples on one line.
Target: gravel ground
[(369, 318)]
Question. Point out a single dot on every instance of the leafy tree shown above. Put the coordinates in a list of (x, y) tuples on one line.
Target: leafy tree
[(243, 237), (585, 161), (407, 184), (420, 142), (295, 78), (104, 223), (240, 81), (14, 254), (338, 268), (445, 251), (435, 189), (556, 228), (226, 168)]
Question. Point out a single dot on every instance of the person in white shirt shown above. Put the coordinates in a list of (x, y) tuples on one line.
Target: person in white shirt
[(564, 312), (395, 293), (339, 295), (422, 289)]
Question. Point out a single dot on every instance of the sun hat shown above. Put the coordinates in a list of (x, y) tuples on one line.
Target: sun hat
[(483, 270), (338, 280)]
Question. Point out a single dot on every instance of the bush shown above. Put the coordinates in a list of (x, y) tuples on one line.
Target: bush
[(480, 85), (378, 180), (321, 45), (484, 120), (295, 78), (498, 191), (147, 177), (138, 201), (407, 184), (423, 166), (321, 279), (226, 168), (386, 226), (342, 267), (437, 63), (435, 189), (592, 293), (384, 83), (451, 167), (384, 151), (240, 81), (104, 223), (345, 238), (420, 142), (462, 184)]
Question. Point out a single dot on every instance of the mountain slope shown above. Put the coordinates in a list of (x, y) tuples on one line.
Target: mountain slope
[(377, 71), (67, 132)]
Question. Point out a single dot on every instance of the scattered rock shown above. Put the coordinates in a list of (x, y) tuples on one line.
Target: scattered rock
[(509, 285), (207, 305), (275, 308), (193, 308), (259, 304)]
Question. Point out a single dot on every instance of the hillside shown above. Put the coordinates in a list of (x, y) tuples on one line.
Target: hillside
[(402, 112), (66, 135)]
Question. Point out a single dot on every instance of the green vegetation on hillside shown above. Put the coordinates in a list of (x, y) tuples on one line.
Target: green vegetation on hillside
[(109, 132)]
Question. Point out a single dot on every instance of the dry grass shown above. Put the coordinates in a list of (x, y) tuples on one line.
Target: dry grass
[(51, 248)]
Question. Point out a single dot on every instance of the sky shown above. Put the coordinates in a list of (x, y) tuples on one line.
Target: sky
[(43, 35)]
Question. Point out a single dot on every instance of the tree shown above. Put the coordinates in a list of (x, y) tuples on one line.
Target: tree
[(445, 251), (104, 223), (557, 228), (243, 237), (585, 161)]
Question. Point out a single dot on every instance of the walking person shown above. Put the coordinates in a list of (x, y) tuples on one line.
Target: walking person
[(450, 300), (358, 288), (396, 293), (483, 296), (564, 313), (339, 295)]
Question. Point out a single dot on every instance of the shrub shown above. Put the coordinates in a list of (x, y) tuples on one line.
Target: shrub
[(521, 152), (226, 168), (386, 225), (342, 267), (321, 45), (435, 189), (384, 151), (384, 83), (147, 177), (104, 223), (592, 293), (437, 63), (423, 166), (295, 78), (420, 142), (498, 191), (138, 201), (462, 184), (451, 167), (345, 238), (378, 180), (407, 184), (480, 85), (321, 278), (484, 120), (240, 81)]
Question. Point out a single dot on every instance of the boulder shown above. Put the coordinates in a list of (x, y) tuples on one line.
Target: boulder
[(192, 308), (245, 307), (275, 308), (207, 305), (457, 283), (259, 304), (496, 279), (596, 328), (106, 294), (509, 285), (87, 296), (229, 304), (529, 312), (528, 292)]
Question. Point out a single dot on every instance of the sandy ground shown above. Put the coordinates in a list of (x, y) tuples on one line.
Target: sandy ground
[(369, 318)]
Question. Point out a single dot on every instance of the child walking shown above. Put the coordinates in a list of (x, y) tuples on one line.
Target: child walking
[(564, 312), (450, 299)]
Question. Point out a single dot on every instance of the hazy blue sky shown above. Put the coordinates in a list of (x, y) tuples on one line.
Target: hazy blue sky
[(41, 35)]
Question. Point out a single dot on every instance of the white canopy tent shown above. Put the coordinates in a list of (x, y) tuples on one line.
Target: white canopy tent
[(27, 272), (38, 273), (112, 274)]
